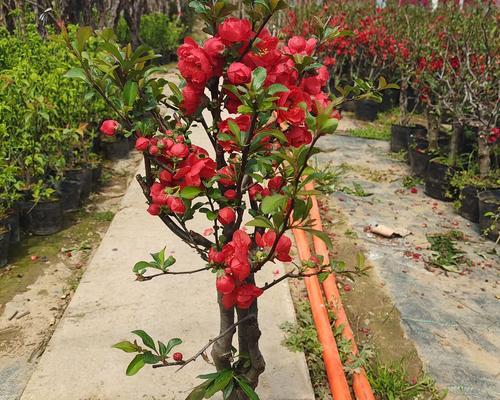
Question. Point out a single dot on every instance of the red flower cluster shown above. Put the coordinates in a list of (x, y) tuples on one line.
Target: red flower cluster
[(266, 241), (183, 165), (234, 258)]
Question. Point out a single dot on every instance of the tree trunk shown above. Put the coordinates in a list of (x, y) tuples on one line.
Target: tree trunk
[(483, 154), (432, 129), (456, 139), (403, 103)]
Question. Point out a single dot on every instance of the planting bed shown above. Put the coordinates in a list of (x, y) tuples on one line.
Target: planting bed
[(449, 316)]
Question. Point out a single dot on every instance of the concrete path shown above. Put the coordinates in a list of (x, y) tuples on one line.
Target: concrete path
[(79, 362), (452, 318)]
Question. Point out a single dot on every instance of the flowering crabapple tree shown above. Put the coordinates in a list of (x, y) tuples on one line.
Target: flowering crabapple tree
[(258, 164)]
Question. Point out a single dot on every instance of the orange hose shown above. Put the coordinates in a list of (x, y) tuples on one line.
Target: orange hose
[(334, 370), (360, 384)]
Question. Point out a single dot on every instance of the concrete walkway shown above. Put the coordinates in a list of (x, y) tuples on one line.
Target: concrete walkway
[(79, 362)]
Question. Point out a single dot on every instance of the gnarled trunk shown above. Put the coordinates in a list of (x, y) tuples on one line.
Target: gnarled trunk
[(483, 151)]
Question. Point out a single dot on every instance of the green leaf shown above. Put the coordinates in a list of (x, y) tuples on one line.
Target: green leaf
[(175, 90), (127, 347), (150, 358), (228, 390), (142, 265), (199, 391), (247, 389), (130, 93), (169, 262), (322, 235), (277, 88), (272, 203), (258, 77), (322, 276), (146, 339), (219, 383), (135, 365), (162, 348), (82, 36), (172, 343), (190, 192), (261, 222), (76, 73)]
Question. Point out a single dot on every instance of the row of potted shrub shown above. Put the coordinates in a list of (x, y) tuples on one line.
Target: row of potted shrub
[(50, 153)]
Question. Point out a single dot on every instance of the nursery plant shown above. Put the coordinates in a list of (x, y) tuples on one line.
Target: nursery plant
[(264, 105)]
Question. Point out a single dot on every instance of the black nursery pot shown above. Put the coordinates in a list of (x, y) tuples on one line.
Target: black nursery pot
[(489, 202), (419, 161), (116, 150), (402, 136), (469, 203), (390, 99), (437, 181), (366, 110), (96, 177), (46, 218), (4, 246), (71, 191), (84, 176), (13, 223)]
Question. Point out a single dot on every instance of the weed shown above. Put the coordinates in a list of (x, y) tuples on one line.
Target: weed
[(445, 255), (371, 132), (401, 156), (104, 216), (351, 234), (411, 181), (391, 382), (356, 190), (329, 178)]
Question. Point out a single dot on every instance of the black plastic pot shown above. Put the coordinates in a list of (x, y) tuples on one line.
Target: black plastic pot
[(390, 99), (469, 203), (71, 191), (489, 202), (131, 142), (116, 150), (401, 136), (84, 176), (96, 177), (437, 181), (419, 161), (366, 110), (45, 218), (4, 246), (14, 225)]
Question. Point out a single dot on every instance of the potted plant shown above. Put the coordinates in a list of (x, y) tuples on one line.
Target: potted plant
[(470, 185), (116, 145), (489, 214), (44, 210), (9, 200), (260, 158)]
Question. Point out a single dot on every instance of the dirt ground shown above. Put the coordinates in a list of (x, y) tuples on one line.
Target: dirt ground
[(44, 272)]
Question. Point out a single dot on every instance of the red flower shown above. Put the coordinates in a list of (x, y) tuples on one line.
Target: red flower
[(191, 99), (298, 45), (243, 122), (230, 194), (176, 205), (214, 47), (283, 247), (166, 177), (275, 184), (225, 284), (194, 63), (234, 30), (254, 191), (239, 73), (294, 102), (178, 150), (227, 175), (246, 295), (154, 209), (298, 136), (226, 216), (142, 144), (109, 127)]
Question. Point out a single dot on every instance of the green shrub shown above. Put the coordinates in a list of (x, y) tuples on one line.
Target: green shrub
[(122, 31), (47, 121), (160, 33)]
